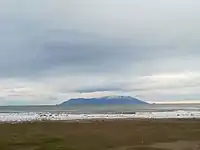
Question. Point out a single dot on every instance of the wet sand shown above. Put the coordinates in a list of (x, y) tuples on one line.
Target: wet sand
[(129, 134)]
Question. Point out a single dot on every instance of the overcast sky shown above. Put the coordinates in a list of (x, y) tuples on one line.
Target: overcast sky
[(53, 50)]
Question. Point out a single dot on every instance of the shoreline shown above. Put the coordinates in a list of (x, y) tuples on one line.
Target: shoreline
[(100, 120)]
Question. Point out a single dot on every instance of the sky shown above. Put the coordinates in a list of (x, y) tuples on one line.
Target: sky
[(53, 50)]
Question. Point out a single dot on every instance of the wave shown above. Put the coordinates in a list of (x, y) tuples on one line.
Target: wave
[(41, 116)]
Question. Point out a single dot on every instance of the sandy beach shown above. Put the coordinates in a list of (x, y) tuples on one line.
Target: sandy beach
[(124, 134)]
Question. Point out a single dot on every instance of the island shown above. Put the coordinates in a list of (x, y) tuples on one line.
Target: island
[(109, 100)]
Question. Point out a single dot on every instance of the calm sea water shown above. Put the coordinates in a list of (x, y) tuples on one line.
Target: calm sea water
[(101, 109)]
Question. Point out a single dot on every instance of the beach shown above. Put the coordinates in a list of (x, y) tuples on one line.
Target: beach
[(125, 127), (101, 134)]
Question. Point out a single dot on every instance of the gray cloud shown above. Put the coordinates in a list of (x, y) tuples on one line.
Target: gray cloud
[(47, 54), (145, 84), (83, 52)]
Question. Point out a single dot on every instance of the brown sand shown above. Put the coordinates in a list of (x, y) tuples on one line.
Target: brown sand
[(162, 134)]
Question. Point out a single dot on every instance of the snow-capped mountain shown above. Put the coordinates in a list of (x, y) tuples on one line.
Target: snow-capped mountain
[(109, 100)]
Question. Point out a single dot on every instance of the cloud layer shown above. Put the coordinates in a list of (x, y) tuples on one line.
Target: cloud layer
[(55, 50)]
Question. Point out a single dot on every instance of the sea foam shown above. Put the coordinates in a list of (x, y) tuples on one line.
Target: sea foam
[(41, 116)]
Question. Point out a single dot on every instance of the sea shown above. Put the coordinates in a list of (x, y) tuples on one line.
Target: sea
[(81, 112)]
